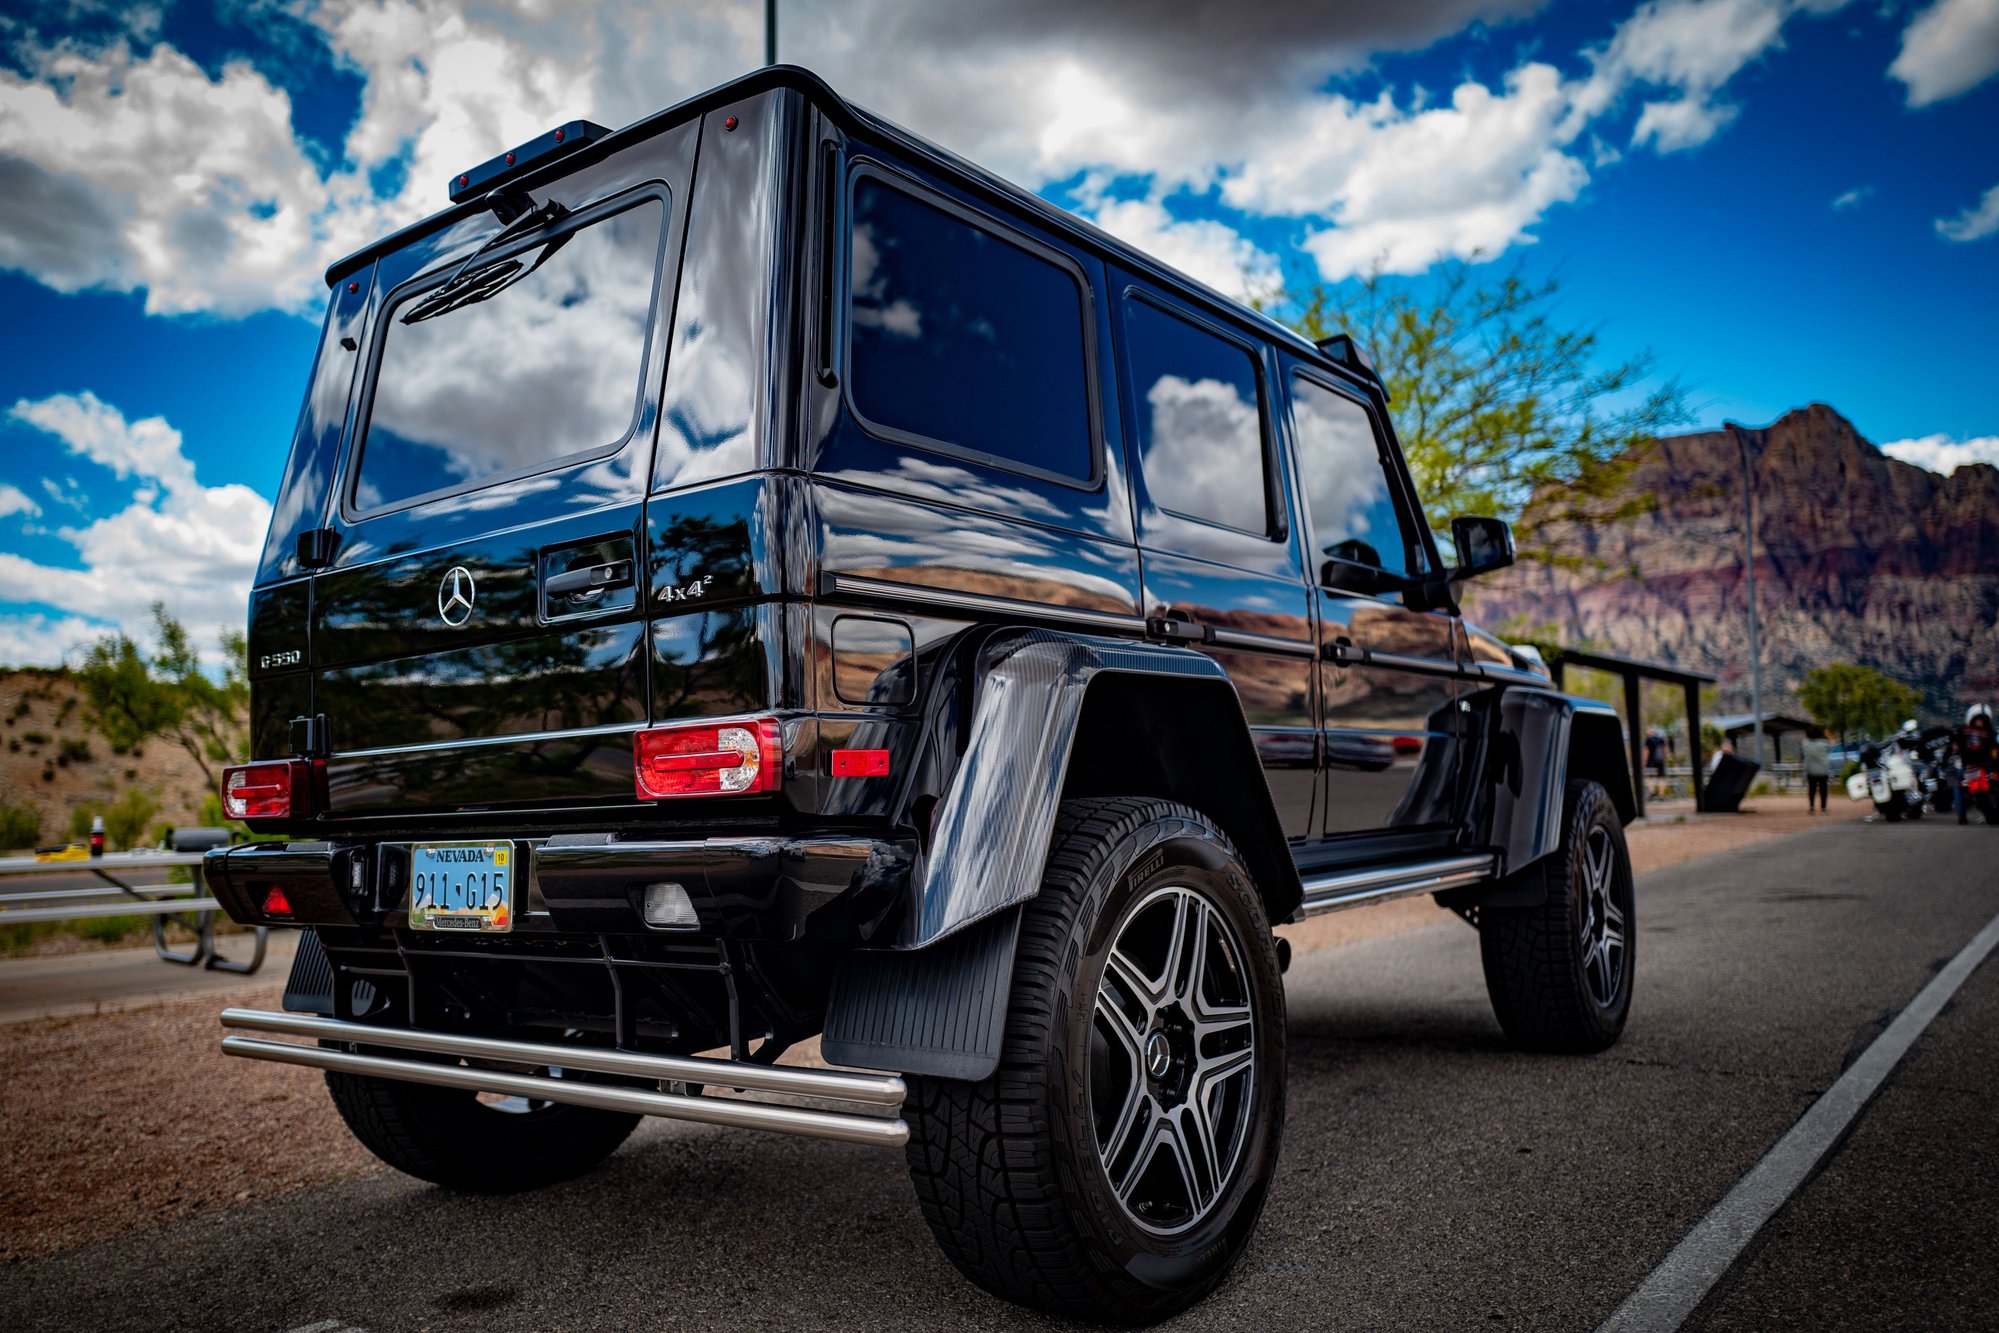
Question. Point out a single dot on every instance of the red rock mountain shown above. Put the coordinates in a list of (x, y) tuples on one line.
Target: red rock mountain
[(1859, 558)]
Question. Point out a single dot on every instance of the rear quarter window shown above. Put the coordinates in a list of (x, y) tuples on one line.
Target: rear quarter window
[(539, 361), (964, 338)]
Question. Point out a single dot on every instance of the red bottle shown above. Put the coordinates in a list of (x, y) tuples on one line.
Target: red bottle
[(97, 835)]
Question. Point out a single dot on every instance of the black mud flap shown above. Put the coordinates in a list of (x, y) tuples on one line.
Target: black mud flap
[(309, 989), (938, 1011)]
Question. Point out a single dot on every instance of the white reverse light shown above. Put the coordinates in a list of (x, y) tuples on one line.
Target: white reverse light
[(668, 907)]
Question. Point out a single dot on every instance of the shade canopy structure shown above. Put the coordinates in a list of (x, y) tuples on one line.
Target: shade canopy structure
[(1775, 725), (1632, 671)]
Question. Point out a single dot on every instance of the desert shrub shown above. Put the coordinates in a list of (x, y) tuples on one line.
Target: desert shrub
[(75, 750), (125, 822), (80, 817), (20, 825), (35, 737)]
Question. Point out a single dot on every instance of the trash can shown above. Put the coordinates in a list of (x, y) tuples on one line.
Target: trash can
[(1728, 784)]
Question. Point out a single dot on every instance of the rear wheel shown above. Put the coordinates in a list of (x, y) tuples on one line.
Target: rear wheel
[(1560, 973), (475, 1141), (1114, 1165)]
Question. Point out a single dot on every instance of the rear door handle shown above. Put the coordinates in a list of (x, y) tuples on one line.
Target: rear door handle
[(590, 578)]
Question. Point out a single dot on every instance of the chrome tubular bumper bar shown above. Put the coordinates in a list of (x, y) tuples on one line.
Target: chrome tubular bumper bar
[(1352, 888), (879, 1092)]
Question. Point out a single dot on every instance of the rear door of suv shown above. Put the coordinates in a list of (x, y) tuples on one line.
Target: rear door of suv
[(1217, 547), (479, 637)]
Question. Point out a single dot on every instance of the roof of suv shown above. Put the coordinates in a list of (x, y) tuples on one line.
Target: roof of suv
[(822, 94)]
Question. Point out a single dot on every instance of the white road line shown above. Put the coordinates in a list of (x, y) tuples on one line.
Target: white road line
[(1677, 1287)]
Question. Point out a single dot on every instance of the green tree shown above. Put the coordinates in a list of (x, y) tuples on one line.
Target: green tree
[(133, 697), (1843, 697), (1497, 400)]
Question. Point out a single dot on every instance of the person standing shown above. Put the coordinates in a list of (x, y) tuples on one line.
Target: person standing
[(1818, 769)]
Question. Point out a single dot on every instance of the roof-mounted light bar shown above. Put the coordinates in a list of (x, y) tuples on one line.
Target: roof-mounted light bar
[(558, 142)]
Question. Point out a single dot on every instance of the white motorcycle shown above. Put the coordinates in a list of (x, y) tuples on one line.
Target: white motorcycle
[(1888, 779)]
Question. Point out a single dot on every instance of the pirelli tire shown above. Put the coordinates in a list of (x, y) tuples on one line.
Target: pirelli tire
[(471, 1142), (1560, 974), (1114, 1165)]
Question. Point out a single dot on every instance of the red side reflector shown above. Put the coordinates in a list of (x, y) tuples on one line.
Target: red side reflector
[(258, 791), (709, 759), (860, 763), (276, 904)]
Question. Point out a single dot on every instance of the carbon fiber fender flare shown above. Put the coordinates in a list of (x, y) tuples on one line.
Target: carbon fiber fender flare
[(934, 1001), (1531, 743)]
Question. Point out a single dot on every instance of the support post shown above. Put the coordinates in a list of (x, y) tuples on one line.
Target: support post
[(770, 32), (1634, 729), (1694, 744)]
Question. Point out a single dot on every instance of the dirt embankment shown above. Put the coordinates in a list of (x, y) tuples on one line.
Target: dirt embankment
[(52, 760)]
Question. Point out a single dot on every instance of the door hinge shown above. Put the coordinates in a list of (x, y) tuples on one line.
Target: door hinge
[(311, 737), (1178, 631), (316, 547)]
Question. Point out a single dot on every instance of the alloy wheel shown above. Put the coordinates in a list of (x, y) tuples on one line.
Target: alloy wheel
[(1603, 919), (1172, 1059)]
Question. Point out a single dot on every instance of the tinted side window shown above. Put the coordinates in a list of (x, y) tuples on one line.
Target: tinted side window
[(962, 338), (1200, 425), (1346, 484), (533, 357)]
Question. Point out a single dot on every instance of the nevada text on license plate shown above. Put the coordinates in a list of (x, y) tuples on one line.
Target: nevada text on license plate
[(465, 886)]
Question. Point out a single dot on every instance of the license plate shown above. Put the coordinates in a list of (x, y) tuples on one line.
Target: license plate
[(462, 886)]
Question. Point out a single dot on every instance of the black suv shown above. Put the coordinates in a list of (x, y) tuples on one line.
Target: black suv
[(754, 576)]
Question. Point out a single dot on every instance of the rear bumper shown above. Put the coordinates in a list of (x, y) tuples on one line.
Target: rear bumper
[(869, 1101), (779, 887)]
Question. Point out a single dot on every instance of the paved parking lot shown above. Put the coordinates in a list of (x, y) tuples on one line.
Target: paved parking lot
[(1431, 1178)]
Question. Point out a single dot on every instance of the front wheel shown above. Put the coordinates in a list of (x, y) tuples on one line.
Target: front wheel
[(1560, 974), (1114, 1165)]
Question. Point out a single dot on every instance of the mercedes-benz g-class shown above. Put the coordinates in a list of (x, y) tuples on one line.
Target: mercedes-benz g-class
[(753, 576)]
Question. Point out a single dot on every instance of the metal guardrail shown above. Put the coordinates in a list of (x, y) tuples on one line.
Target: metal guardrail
[(182, 904)]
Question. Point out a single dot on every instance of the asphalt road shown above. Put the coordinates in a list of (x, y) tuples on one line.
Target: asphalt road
[(1431, 1177)]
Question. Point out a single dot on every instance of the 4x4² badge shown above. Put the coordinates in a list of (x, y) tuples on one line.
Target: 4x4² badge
[(455, 594)]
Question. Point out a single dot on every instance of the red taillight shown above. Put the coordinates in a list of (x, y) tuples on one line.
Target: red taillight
[(276, 904), (860, 763), (709, 759), (258, 791)]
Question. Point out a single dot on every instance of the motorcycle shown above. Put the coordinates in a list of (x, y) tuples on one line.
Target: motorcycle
[(1889, 779), (1978, 789)]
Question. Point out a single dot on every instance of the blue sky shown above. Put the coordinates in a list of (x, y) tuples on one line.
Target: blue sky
[(1786, 200)]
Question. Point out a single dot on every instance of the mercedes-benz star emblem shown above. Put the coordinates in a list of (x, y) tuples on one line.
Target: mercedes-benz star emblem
[(1158, 1055), (455, 594)]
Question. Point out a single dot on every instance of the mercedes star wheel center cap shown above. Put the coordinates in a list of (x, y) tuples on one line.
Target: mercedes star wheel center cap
[(1158, 1055), (455, 594)]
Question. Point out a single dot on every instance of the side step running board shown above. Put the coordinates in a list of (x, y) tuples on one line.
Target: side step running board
[(1352, 888), (881, 1092)]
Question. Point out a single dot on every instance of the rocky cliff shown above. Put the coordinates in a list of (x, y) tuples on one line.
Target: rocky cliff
[(1859, 558)]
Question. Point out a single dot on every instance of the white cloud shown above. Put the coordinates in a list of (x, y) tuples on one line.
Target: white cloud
[(40, 640), (14, 500), (1947, 49), (1853, 198), (1941, 453), (1203, 249), (1974, 223), (146, 174), (190, 546)]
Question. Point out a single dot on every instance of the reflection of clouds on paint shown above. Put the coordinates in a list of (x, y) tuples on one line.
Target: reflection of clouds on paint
[(872, 307), (549, 367), (1345, 487), (1205, 453)]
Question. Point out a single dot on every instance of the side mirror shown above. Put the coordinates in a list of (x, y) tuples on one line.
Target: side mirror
[(1484, 544)]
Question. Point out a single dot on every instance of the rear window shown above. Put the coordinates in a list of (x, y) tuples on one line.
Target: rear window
[(541, 359), (965, 339), (1200, 420)]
